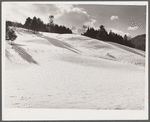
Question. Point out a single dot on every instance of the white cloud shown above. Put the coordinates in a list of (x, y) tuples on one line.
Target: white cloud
[(132, 28), (64, 14), (71, 15), (120, 32), (72, 19), (93, 21), (68, 8), (79, 10), (90, 23), (114, 17)]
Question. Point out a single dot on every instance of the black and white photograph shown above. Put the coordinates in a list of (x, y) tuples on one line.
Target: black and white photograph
[(80, 58)]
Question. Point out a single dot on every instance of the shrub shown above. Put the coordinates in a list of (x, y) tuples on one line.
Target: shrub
[(10, 34)]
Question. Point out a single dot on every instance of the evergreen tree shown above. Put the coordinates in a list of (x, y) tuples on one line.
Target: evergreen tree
[(126, 41), (91, 32), (28, 23), (40, 26), (34, 25), (102, 34), (125, 38)]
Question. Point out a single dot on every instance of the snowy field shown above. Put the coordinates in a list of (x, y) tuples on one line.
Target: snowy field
[(69, 71)]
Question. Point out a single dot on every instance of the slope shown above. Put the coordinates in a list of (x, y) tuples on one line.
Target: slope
[(72, 71)]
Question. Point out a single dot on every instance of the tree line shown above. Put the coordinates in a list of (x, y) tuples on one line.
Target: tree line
[(36, 24), (103, 35)]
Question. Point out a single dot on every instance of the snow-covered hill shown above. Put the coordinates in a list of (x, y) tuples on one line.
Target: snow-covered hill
[(48, 70)]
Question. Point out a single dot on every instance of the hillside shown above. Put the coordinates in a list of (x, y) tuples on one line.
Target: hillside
[(139, 42), (72, 71)]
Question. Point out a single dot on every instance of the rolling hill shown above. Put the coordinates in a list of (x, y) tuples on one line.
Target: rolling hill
[(139, 42), (48, 70)]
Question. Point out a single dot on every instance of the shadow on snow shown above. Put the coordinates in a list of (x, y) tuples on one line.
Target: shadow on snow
[(24, 55), (59, 43), (8, 55)]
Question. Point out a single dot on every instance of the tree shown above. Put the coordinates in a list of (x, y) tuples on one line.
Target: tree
[(111, 36), (125, 38), (34, 25), (40, 26), (51, 23), (102, 34), (51, 19), (10, 34), (28, 23), (126, 41)]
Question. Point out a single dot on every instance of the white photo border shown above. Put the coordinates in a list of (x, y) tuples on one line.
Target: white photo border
[(70, 114)]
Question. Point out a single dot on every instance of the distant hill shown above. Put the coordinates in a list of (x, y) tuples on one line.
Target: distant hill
[(139, 42)]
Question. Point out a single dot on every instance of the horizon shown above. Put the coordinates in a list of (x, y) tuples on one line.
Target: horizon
[(127, 20)]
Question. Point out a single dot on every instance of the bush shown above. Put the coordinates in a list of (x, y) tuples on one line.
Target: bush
[(10, 34)]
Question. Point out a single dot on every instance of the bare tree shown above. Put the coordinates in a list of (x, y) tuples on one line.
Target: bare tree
[(51, 22)]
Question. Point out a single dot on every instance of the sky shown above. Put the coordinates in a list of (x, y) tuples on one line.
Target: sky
[(121, 19)]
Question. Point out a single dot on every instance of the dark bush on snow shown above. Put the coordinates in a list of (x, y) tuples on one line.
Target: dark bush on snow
[(10, 34)]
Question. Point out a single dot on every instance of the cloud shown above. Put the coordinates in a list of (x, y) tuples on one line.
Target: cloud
[(132, 28), (114, 17), (71, 15), (72, 19), (68, 15), (69, 8), (120, 32), (93, 21), (90, 23), (20, 11)]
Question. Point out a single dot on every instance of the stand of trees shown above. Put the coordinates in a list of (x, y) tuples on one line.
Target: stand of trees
[(36, 24), (14, 24), (103, 35)]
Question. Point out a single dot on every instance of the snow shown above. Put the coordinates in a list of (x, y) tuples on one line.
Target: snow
[(69, 71)]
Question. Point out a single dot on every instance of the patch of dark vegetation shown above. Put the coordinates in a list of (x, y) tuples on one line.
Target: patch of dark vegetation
[(137, 42)]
